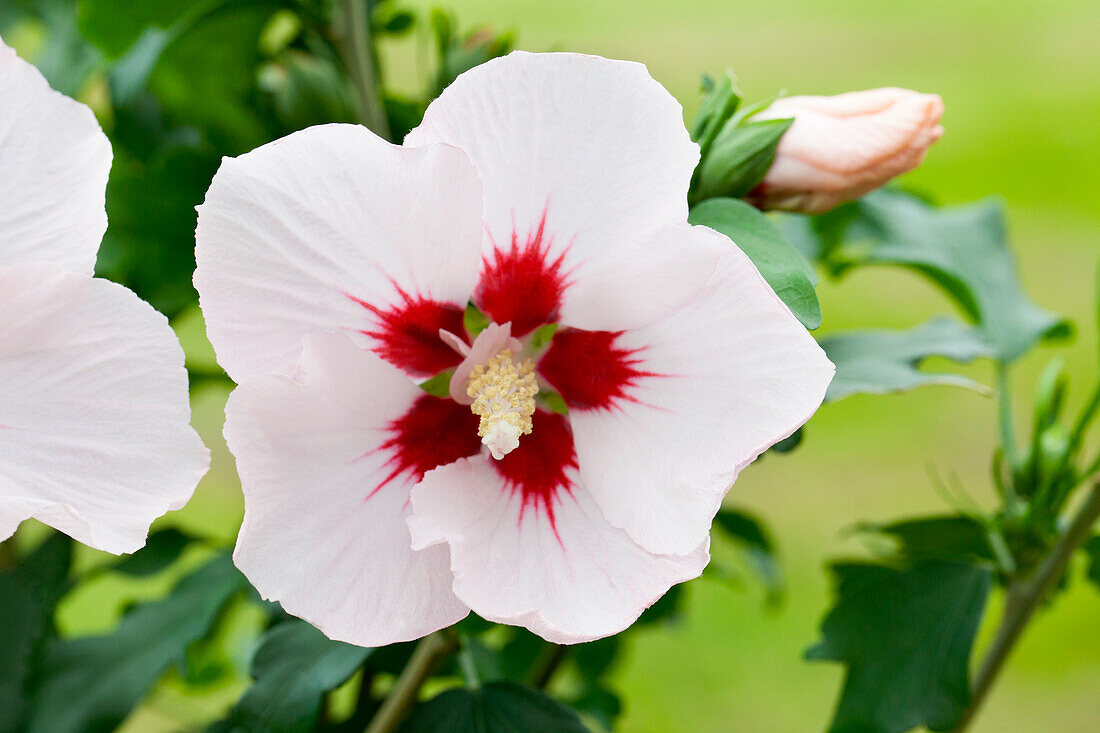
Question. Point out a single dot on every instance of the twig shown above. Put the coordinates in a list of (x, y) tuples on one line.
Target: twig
[(425, 659), (355, 42), (1023, 599)]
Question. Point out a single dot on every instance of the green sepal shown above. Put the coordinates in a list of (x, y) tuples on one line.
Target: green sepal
[(739, 158)]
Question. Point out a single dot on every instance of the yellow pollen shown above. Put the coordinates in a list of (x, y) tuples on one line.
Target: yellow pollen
[(504, 398)]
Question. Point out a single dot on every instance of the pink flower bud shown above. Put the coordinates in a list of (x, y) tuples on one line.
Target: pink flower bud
[(843, 146)]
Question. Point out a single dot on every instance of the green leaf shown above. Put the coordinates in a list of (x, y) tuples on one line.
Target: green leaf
[(390, 20), (719, 103), (789, 443), (161, 550), (28, 596), (594, 659), (89, 684), (21, 621), (498, 707), (739, 158), (460, 53), (308, 90), (782, 266), (46, 571), (964, 250), (955, 537), (294, 667), (599, 703), (750, 534), (880, 362), (665, 610), (1092, 549), (905, 636), (150, 241), (115, 32)]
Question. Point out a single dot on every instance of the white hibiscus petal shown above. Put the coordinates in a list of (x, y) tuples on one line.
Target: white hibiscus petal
[(584, 157), (569, 579), (54, 162), (309, 233), (94, 416), (736, 373), (324, 531)]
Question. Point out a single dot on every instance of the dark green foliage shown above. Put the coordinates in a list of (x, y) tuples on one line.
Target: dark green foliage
[(161, 550), (905, 636), (880, 362), (90, 684), (720, 102), (1092, 549), (785, 269), (963, 250), (459, 52), (789, 443), (21, 621), (294, 667), (666, 609), (498, 707), (753, 538), (953, 537), (28, 595)]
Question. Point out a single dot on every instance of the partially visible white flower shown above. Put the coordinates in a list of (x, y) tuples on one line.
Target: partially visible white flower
[(844, 146), (94, 415)]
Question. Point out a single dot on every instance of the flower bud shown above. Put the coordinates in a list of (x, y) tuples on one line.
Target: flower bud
[(844, 146)]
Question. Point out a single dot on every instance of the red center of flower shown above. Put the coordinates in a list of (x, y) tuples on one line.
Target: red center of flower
[(434, 432), (589, 370), (522, 284), (406, 334), (537, 468)]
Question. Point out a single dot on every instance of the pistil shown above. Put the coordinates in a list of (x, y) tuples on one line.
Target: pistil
[(503, 394)]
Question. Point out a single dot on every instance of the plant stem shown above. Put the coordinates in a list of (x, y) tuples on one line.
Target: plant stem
[(1024, 597), (425, 659), (467, 664), (355, 43), (545, 664), (1008, 433)]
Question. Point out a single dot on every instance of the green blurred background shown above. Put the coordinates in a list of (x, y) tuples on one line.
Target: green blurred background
[(1021, 83)]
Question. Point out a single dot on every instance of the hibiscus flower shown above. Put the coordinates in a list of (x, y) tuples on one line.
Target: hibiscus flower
[(95, 438), (611, 367)]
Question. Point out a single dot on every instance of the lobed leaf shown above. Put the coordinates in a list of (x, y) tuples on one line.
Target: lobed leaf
[(498, 707), (294, 667), (905, 636), (964, 250), (954, 537), (881, 361)]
